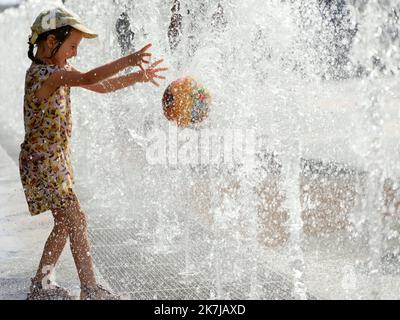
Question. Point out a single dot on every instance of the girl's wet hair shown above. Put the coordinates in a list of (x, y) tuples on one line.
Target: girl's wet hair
[(61, 34)]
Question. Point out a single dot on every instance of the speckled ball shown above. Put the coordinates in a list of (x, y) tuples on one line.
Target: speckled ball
[(186, 102)]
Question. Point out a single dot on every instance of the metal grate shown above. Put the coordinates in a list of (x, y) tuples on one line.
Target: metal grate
[(139, 264)]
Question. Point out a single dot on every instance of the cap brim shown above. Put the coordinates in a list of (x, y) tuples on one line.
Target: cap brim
[(87, 33)]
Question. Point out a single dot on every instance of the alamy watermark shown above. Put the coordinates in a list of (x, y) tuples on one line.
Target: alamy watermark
[(177, 146)]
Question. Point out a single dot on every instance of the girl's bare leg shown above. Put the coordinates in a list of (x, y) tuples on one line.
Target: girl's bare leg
[(79, 243), (78, 238), (54, 246), (72, 222)]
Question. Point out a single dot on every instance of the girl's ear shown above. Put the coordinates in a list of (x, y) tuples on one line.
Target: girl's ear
[(51, 41)]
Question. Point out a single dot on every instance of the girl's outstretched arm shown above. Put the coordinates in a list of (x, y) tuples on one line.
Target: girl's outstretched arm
[(75, 78), (117, 83)]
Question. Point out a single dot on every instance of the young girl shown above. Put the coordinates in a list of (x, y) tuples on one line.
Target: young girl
[(45, 167)]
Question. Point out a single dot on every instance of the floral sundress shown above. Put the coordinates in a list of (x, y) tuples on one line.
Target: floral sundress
[(44, 161)]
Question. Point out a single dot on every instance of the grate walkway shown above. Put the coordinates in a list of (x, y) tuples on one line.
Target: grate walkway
[(140, 264)]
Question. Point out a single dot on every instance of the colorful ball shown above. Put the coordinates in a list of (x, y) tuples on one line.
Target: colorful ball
[(186, 102)]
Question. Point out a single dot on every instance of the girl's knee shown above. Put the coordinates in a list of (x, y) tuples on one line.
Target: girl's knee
[(77, 220), (60, 231), (60, 217), (72, 217), (60, 228)]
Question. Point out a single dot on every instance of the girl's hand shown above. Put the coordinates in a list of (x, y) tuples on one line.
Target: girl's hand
[(150, 73), (137, 58)]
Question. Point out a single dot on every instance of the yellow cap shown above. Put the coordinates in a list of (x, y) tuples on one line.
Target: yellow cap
[(56, 18)]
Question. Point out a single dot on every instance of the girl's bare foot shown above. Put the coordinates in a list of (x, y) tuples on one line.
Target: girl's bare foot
[(97, 293), (54, 292)]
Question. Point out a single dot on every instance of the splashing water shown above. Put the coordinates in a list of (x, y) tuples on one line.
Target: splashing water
[(296, 167)]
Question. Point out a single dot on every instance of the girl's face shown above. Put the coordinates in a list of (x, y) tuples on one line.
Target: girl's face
[(68, 49)]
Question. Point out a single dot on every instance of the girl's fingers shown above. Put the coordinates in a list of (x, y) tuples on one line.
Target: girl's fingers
[(155, 83), (153, 72), (140, 57), (145, 61), (150, 70), (146, 54), (159, 69), (145, 47), (159, 77), (141, 68), (156, 63)]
